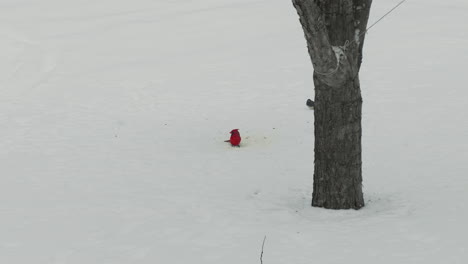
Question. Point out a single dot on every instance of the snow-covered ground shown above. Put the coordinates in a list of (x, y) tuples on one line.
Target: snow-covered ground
[(113, 115)]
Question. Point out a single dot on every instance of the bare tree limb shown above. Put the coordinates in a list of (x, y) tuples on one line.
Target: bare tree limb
[(334, 31), (316, 35), (361, 14)]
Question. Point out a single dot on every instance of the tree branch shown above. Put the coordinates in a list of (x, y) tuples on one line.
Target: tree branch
[(316, 34), (361, 13)]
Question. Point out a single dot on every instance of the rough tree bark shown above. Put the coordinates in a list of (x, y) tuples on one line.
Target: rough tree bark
[(335, 32)]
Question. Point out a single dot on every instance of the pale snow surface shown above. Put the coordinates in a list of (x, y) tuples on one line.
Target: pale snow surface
[(113, 116)]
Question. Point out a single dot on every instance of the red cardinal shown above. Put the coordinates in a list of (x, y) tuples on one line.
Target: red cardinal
[(235, 138)]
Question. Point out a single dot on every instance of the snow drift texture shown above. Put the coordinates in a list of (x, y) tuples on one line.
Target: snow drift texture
[(113, 116)]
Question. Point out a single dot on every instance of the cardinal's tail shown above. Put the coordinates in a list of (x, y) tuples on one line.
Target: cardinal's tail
[(227, 140)]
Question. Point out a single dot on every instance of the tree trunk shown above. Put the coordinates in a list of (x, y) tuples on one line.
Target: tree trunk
[(337, 174), (334, 31)]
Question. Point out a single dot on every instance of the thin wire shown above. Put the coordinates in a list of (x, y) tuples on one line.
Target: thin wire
[(348, 43), (391, 10)]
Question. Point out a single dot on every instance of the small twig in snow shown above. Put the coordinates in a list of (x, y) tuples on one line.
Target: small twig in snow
[(261, 254)]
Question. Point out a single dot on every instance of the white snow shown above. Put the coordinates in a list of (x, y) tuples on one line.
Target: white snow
[(357, 36), (113, 116)]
